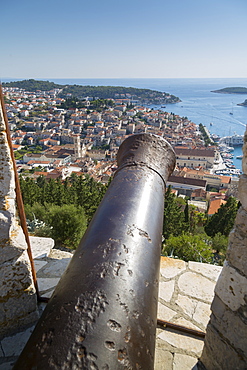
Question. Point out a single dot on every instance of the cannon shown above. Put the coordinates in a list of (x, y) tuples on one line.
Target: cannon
[(103, 312)]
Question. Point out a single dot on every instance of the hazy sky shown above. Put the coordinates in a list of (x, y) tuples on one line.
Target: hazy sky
[(123, 39)]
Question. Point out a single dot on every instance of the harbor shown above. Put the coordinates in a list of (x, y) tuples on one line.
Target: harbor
[(230, 159)]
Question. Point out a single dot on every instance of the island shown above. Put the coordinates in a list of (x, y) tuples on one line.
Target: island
[(144, 96), (244, 104), (231, 90)]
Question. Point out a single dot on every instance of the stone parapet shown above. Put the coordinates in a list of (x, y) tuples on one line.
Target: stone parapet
[(17, 293), (226, 339), (180, 302)]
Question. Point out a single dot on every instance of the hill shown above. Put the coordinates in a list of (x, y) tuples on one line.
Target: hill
[(231, 90), (100, 92), (33, 85)]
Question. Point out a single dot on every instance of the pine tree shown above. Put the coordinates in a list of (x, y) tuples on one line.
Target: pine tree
[(174, 220), (223, 220)]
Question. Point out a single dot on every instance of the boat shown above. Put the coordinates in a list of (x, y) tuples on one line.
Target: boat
[(239, 156), (234, 140)]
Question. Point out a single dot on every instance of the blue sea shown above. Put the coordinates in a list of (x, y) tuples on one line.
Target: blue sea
[(218, 112)]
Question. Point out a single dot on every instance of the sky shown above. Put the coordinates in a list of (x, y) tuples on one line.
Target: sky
[(123, 39)]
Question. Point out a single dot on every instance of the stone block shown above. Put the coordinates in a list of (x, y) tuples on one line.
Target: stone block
[(242, 190), (166, 290), (237, 249), (209, 271), (15, 277), (190, 344), (18, 323), (183, 362), (5, 224), (233, 329), (202, 314), (231, 288), (217, 354), (47, 283), (165, 313), (183, 322), (13, 247), (55, 268), (218, 307), (196, 286), (170, 267), (163, 359), (17, 307), (7, 365), (39, 265), (41, 247), (13, 345), (186, 305), (58, 254)]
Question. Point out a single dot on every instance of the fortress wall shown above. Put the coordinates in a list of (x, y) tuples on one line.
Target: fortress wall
[(226, 337), (18, 303)]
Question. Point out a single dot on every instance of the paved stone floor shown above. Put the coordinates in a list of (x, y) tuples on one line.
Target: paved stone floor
[(186, 291)]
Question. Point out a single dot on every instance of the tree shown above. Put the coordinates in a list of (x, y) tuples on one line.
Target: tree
[(174, 220), (189, 247), (31, 192), (220, 243), (223, 220), (219, 246), (68, 224)]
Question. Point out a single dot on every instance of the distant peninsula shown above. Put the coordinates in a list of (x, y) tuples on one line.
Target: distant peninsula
[(145, 96), (244, 104), (231, 90)]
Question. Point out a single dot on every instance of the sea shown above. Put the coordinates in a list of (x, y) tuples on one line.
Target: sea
[(218, 112)]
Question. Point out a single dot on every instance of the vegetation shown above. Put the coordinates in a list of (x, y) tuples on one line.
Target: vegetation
[(66, 224), (64, 208), (232, 90), (223, 220), (96, 92), (19, 153), (174, 223), (189, 235), (32, 85), (205, 135), (189, 247)]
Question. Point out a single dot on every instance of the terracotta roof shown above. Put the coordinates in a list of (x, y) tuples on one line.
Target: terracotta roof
[(215, 205), (225, 179), (187, 181), (194, 152)]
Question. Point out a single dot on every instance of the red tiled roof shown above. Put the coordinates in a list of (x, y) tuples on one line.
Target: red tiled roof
[(215, 205)]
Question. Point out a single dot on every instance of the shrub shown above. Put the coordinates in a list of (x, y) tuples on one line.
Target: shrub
[(189, 247)]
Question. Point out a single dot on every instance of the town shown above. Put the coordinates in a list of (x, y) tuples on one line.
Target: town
[(55, 138)]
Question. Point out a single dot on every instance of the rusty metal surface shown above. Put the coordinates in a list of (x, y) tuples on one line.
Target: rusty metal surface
[(103, 312)]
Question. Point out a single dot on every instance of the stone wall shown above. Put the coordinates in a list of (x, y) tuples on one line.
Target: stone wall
[(18, 304), (226, 337)]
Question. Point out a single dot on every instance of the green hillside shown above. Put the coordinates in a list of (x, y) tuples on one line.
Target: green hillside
[(232, 90)]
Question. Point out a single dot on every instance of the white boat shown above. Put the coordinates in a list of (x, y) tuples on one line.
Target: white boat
[(239, 156), (234, 140)]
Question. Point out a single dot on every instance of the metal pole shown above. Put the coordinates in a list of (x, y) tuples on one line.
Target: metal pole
[(103, 313)]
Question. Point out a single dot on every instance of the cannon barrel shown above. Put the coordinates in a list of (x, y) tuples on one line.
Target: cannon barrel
[(103, 312)]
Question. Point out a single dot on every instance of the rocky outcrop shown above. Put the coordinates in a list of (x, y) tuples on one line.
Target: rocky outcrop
[(244, 104), (17, 293), (226, 340)]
